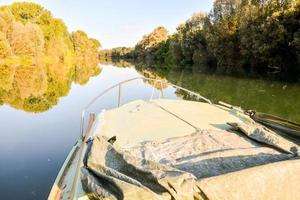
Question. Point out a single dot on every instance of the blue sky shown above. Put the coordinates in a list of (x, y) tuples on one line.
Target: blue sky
[(119, 22)]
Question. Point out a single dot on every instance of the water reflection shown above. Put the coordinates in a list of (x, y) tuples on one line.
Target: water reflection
[(37, 87), (277, 98)]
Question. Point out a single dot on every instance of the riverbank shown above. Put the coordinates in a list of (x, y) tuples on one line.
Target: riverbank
[(201, 69)]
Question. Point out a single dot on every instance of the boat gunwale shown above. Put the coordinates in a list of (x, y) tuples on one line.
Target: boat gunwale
[(55, 190)]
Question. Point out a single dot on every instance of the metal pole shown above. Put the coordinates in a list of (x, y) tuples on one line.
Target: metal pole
[(119, 96), (82, 124), (153, 89), (161, 89)]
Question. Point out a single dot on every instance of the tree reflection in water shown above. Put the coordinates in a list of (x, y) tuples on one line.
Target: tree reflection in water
[(277, 98), (36, 88)]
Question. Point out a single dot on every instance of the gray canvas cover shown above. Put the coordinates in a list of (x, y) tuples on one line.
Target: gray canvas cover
[(204, 165)]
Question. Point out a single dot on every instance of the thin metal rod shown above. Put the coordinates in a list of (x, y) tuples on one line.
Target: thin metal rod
[(153, 89), (119, 95), (161, 89), (108, 89), (82, 124), (191, 92)]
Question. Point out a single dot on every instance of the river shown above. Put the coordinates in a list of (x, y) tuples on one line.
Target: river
[(40, 114)]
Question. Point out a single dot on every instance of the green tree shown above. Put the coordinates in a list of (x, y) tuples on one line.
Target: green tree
[(148, 45)]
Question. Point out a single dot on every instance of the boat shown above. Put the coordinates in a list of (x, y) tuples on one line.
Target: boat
[(164, 148)]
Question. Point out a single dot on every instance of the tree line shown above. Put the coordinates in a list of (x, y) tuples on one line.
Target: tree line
[(40, 59), (28, 30), (253, 36)]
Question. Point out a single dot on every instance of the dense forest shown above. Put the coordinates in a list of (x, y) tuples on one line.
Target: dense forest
[(39, 58), (252, 36)]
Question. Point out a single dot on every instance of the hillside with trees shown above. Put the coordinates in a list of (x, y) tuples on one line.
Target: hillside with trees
[(249, 36), (39, 58), (28, 30)]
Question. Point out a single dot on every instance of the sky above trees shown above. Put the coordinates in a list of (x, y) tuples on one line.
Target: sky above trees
[(119, 22)]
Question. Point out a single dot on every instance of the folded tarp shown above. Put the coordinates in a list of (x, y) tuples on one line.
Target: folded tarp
[(276, 181), (202, 165), (264, 135)]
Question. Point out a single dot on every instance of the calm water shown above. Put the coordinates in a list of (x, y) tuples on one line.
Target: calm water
[(40, 116)]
